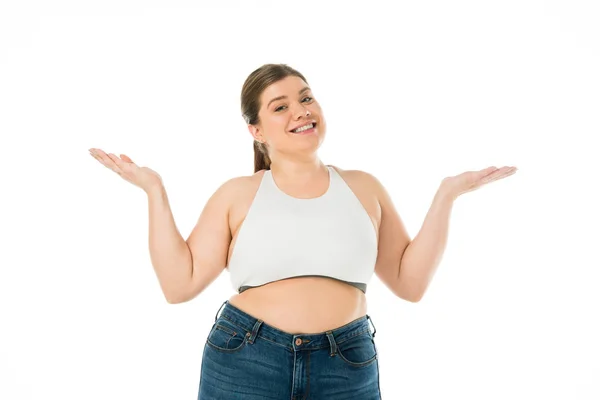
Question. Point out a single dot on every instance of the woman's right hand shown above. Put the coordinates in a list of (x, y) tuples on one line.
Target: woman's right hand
[(142, 177)]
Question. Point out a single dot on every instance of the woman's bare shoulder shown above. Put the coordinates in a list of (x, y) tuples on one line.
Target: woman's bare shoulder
[(357, 177), (241, 186)]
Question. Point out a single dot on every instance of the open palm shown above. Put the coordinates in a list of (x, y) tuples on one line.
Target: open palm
[(473, 180), (142, 177)]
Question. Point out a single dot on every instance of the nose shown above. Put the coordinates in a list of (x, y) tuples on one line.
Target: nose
[(301, 112)]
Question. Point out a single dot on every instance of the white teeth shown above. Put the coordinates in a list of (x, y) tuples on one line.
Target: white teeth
[(303, 128)]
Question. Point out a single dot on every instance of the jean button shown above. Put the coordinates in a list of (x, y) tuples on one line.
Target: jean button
[(298, 342)]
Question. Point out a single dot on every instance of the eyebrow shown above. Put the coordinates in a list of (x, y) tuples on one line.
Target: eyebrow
[(305, 89)]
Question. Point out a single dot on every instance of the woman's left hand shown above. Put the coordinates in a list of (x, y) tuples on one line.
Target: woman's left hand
[(472, 180)]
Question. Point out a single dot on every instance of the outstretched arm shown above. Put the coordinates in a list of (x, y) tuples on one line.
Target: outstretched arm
[(423, 255), (407, 266)]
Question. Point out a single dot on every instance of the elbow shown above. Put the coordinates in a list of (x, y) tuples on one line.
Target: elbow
[(176, 299), (176, 292), (173, 300), (409, 292), (415, 298), (176, 296), (411, 298)]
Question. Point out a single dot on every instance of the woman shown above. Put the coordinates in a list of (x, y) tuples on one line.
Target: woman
[(301, 241)]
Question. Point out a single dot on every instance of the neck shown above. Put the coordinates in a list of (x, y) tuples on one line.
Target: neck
[(297, 168)]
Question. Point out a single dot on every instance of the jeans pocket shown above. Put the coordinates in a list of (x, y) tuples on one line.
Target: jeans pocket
[(226, 336), (358, 351)]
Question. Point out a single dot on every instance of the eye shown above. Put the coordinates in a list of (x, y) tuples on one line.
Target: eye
[(306, 99)]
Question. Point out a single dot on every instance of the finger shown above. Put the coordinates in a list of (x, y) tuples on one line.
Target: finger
[(487, 171), (96, 154), (120, 164), (493, 176), (100, 153), (104, 158), (107, 161), (124, 157), (500, 174), (506, 171), (93, 154), (478, 176), (509, 171), (500, 171)]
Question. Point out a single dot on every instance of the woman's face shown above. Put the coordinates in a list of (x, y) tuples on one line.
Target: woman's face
[(287, 105)]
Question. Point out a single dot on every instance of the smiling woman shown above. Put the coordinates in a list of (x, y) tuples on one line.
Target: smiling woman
[(281, 91), (301, 241)]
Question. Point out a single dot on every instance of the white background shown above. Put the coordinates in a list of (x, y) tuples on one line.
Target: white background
[(412, 92)]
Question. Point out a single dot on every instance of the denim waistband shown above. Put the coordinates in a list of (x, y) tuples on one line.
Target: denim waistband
[(312, 341)]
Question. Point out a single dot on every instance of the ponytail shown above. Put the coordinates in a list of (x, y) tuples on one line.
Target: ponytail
[(261, 157)]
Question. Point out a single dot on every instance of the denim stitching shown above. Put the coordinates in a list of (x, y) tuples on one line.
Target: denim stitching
[(358, 333), (361, 332), (361, 364), (234, 323), (228, 331), (225, 329), (278, 344)]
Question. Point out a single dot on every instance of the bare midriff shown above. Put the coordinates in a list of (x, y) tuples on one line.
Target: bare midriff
[(303, 305)]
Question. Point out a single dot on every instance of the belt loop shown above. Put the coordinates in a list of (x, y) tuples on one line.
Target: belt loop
[(332, 343), (217, 315), (374, 329), (252, 336)]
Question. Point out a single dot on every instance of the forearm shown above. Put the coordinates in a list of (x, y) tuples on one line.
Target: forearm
[(423, 255), (169, 253)]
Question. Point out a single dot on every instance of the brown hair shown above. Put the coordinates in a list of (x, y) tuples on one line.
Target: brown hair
[(255, 84)]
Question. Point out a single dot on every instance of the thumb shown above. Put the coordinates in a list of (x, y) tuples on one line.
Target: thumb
[(125, 158)]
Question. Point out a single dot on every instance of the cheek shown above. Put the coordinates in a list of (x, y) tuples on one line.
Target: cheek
[(317, 109), (282, 122), (275, 126)]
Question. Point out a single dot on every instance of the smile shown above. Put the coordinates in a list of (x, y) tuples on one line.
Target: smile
[(307, 128)]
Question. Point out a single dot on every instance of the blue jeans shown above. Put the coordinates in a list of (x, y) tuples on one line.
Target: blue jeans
[(247, 359)]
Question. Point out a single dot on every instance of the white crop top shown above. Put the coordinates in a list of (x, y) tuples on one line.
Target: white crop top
[(284, 237)]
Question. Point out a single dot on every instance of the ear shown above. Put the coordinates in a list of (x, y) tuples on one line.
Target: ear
[(256, 133)]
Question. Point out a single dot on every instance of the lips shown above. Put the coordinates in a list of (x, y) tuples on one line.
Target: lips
[(306, 131), (314, 123)]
